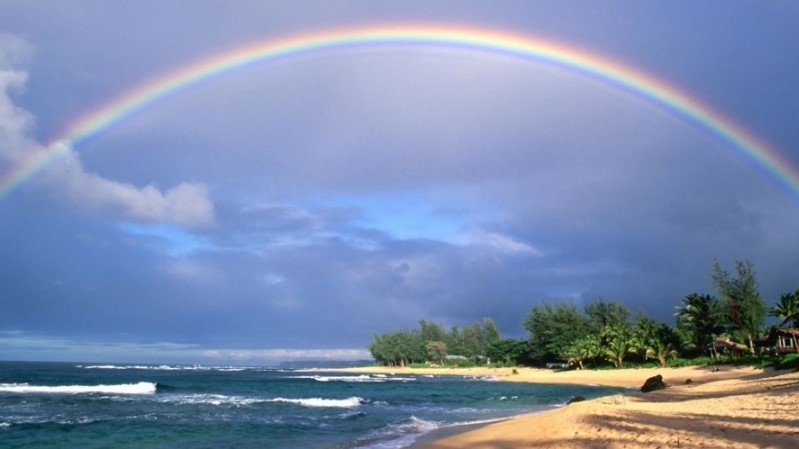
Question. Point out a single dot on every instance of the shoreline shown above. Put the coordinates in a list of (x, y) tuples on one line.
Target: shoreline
[(736, 407), (623, 378)]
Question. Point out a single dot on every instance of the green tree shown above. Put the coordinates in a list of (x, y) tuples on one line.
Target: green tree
[(455, 342), (436, 351), (472, 337), (662, 352), (398, 348), (601, 314), (430, 331), (644, 334), (509, 352), (745, 308), (701, 315), (491, 334), (618, 339), (378, 349), (553, 327), (788, 311), (586, 348)]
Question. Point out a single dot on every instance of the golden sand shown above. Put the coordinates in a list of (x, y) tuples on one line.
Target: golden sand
[(729, 408)]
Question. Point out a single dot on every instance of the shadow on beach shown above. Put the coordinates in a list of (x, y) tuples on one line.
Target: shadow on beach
[(751, 411)]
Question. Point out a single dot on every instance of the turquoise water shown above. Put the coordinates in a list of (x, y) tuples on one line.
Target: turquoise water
[(60, 405)]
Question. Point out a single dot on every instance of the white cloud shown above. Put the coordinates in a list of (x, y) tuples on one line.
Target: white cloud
[(186, 203), (497, 242)]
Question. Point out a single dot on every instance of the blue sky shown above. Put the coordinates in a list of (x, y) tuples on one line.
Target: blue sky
[(293, 209)]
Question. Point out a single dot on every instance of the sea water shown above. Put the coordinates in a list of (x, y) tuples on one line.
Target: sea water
[(68, 405)]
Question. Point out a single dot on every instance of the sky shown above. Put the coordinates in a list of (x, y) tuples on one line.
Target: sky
[(292, 208)]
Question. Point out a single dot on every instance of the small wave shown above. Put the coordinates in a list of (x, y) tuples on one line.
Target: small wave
[(486, 378), (166, 367), (398, 435), (211, 399), (163, 388), (137, 388), (417, 425), (5, 424), (350, 402), (102, 367), (376, 378)]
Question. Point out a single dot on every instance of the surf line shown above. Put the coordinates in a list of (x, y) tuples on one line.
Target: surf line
[(622, 77)]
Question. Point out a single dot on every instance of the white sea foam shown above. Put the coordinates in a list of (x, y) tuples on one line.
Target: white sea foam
[(377, 378), (211, 399), (350, 402), (417, 425), (103, 367), (165, 367), (488, 378), (137, 388), (5, 424), (399, 435)]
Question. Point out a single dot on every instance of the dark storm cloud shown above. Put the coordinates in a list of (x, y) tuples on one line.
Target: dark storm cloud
[(335, 195)]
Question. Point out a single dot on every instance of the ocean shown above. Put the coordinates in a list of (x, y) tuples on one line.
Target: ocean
[(75, 405)]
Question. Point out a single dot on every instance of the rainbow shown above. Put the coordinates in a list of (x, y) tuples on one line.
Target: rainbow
[(620, 76)]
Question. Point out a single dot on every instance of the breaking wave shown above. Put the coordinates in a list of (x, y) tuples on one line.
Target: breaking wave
[(168, 367), (137, 388), (364, 378), (211, 399), (238, 401)]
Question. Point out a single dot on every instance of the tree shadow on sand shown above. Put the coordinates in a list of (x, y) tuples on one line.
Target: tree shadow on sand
[(769, 422)]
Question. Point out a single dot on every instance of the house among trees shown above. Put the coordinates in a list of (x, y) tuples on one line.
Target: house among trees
[(780, 340)]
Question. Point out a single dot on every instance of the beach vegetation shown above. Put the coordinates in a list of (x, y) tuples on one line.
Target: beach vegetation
[(585, 349), (429, 331), (436, 350), (602, 314), (662, 352), (508, 352), (430, 344), (740, 299), (708, 331), (553, 328), (702, 319), (618, 343), (787, 309)]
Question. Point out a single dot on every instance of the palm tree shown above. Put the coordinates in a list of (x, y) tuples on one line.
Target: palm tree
[(701, 313), (661, 351), (585, 348), (618, 343), (643, 334), (788, 310)]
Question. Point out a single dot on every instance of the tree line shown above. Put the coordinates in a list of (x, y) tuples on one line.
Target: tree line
[(602, 331), (431, 343)]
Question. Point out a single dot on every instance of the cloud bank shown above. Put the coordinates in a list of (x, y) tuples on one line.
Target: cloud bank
[(66, 177)]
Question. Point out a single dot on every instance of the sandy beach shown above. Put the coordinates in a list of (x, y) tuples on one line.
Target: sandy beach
[(729, 408)]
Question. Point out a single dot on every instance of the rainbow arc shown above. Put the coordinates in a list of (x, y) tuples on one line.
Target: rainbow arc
[(620, 76)]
